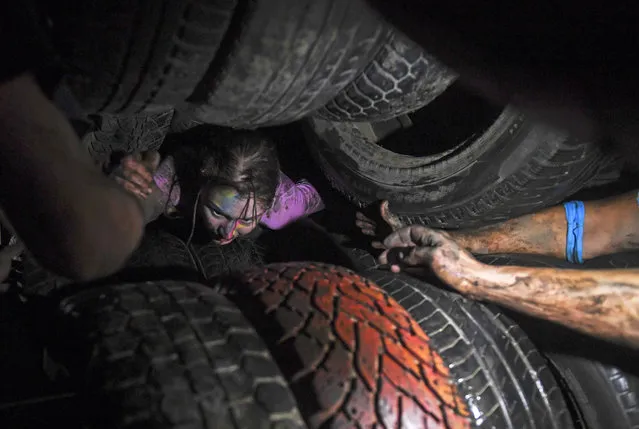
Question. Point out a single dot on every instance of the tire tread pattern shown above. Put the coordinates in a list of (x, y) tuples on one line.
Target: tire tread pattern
[(277, 71), (127, 134), (556, 169), (361, 359), (175, 354), (130, 56), (401, 78), (505, 380)]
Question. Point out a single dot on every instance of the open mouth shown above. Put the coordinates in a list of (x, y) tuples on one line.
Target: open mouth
[(222, 241)]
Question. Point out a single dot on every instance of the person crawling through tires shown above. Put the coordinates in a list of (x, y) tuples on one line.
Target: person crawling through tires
[(603, 303), (228, 180)]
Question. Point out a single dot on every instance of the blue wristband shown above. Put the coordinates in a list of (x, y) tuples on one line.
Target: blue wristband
[(575, 215)]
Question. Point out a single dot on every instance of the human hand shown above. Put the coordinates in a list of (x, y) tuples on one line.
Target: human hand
[(136, 171), (419, 246), (379, 225)]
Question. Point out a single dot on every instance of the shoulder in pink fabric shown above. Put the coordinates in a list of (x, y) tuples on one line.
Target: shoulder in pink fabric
[(164, 178), (293, 201)]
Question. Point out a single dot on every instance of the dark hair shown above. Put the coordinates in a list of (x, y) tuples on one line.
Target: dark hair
[(243, 159)]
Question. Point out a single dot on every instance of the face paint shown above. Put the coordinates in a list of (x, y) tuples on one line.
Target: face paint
[(228, 214)]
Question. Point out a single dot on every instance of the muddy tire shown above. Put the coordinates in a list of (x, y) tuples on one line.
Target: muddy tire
[(124, 57), (601, 379), (161, 255), (500, 373), (485, 164), (126, 134), (169, 355), (286, 59), (400, 79), (350, 353)]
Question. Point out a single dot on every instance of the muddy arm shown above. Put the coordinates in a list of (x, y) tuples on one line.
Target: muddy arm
[(611, 225), (602, 303), (74, 220)]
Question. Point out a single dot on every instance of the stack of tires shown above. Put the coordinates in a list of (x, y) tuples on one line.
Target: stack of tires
[(387, 120), (182, 339), (309, 345), (233, 63), (407, 131), (296, 345), (599, 380)]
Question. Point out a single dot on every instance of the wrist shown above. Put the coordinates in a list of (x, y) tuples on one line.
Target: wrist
[(469, 242)]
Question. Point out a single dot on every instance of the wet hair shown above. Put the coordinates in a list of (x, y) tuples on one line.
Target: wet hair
[(245, 160)]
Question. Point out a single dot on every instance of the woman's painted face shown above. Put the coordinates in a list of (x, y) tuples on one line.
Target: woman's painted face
[(227, 214)]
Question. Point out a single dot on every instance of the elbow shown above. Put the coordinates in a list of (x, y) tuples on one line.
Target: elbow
[(99, 252), (93, 260), (95, 265)]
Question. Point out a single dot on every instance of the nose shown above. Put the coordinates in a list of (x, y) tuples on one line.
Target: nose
[(226, 230)]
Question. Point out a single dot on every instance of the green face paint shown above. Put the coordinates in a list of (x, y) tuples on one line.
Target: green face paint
[(228, 214)]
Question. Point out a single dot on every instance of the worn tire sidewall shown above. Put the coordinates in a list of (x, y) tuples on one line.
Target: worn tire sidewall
[(366, 172)]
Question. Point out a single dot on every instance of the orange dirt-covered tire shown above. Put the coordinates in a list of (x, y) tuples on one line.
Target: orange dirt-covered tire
[(352, 355)]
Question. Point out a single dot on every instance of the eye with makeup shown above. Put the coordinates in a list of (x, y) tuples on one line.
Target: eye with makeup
[(220, 215), (216, 212)]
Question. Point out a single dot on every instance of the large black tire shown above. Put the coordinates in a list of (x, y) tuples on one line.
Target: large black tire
[(501, 375), (352, 355), (160, 256), (501, 166), (400, 79), (287, 59), (603, 379), (168, 355), (127, 56)]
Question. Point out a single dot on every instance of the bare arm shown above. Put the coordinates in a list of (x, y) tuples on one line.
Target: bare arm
[(74, 220), (611, 225), (602, 303)]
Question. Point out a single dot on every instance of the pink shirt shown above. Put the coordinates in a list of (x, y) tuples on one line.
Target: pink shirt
[(293, 200)]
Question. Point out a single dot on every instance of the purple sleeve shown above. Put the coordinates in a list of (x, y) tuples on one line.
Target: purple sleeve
[(164, 179), (292, 202)]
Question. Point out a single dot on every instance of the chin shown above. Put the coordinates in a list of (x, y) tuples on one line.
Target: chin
[(223, 242)]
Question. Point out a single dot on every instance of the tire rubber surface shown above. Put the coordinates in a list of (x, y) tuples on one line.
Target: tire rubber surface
[(284, 59), (503, 378), (352, 355), (161, 255), (125, 57), (168, 354), (400, 79), (126, 134), (515, 167)]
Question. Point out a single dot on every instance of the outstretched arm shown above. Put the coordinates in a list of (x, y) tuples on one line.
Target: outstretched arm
[(602, 303), (75, 221), (610, 225)]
